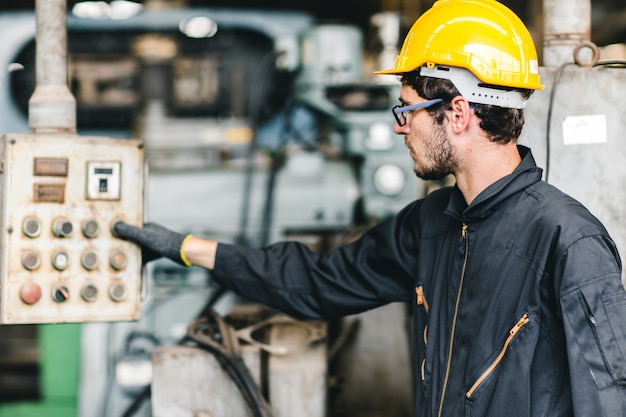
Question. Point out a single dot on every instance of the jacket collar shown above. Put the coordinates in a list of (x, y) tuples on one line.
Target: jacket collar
[(526, 174)]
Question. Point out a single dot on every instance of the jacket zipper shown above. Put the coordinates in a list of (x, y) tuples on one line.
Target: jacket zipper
[(421, 301), (588, 312), (594, 329), (456, 311), (512, 333)]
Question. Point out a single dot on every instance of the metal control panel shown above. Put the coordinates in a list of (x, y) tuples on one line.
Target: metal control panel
[(60, 197)]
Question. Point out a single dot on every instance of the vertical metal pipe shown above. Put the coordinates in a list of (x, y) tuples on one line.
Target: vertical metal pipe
[(52, 107), (567, 24), (388, 29)]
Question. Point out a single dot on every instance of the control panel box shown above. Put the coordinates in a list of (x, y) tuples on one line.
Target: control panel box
[(60, 197)]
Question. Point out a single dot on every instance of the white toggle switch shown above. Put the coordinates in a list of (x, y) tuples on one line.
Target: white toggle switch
[(103, 180)]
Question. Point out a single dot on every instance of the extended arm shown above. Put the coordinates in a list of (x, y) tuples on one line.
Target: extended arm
[(375, 270)]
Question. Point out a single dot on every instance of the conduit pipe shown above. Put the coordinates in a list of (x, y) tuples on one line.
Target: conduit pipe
[(52, 107), (567, 33)]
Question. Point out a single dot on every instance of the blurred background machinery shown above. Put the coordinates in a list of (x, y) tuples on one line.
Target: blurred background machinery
[(261, 125)]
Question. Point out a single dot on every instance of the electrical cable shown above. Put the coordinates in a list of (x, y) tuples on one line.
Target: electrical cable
[(139, 399), (255, 101), (611, 62), (213, 335), (238, 372), (278, 160), (557, 78)]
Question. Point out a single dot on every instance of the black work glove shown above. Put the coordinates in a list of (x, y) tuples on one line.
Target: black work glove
[(156, 241)]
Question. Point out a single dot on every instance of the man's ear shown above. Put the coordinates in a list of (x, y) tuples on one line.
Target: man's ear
[(461, 114)]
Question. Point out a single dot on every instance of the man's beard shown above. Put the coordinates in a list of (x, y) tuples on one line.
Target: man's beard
[(440, 155)]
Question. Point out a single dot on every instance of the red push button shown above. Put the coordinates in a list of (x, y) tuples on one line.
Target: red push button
[(30, 293)]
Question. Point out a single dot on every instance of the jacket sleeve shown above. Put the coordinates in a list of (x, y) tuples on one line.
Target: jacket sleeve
[(374, 270), (593, 305)]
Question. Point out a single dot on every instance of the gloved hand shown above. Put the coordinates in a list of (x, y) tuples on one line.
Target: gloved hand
[(156, 241)]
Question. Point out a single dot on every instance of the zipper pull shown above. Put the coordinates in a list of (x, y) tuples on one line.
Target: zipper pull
[(421, 300), (588, 312), (521, 323), (592, 320), (464, 230)]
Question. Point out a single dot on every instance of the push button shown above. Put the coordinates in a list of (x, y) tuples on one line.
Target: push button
[(31, 260), (89, 260), (91, 229), (62, 228), (31, 227), (30, 293), (118, 260), (89, 293), (60, 260), (117, 292)]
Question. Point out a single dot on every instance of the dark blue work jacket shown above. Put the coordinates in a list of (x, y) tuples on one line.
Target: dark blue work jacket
[(519, 308)]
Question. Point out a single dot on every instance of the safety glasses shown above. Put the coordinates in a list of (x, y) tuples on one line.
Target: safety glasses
[(399, 112)]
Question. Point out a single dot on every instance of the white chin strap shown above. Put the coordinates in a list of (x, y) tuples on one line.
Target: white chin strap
[(473, 89)]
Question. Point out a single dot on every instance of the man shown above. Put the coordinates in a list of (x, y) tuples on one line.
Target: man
[(518, 304)]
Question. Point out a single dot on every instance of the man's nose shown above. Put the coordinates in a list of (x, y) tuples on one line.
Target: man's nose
[(400, 130)]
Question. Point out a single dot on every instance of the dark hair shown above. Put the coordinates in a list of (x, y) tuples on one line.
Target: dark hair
[(501, 124)]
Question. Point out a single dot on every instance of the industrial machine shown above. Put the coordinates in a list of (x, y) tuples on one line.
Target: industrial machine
[(253, 126)]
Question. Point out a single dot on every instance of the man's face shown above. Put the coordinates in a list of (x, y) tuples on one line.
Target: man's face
[(428, 142)]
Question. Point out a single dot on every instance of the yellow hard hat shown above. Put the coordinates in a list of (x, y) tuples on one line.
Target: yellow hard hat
[(482, 36)]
